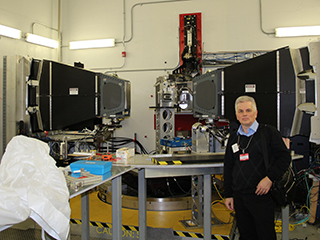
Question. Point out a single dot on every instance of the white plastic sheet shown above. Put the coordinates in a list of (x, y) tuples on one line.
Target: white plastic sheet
[(32, 186)]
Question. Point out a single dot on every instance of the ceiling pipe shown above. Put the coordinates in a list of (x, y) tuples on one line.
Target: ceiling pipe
[(59, 32)]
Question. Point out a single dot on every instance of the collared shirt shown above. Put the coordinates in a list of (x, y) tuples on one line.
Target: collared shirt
[(252, 129)]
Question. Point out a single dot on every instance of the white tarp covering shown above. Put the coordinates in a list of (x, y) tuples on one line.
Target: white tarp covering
[(32, 186)]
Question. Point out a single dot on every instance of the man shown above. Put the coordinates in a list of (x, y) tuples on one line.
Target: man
[(246, 180)]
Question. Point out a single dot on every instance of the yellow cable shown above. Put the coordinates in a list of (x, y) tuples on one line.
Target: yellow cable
[(218, 191), (278, 226), (217, 201), (278, 223), (306, 219)]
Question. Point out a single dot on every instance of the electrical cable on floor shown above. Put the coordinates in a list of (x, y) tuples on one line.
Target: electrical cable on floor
[(302, 177), (220, 201), (168, 185), (278, 226), (185, 192), (215, 186), (169, 189)]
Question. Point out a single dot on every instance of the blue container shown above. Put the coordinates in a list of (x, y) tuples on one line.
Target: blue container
[(176, 142), (94, 167)]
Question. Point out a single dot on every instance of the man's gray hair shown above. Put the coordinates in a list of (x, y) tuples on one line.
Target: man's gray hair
[(244, 98)]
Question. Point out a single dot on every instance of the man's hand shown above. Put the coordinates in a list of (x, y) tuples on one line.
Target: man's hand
[(229, 203), (264, 186)]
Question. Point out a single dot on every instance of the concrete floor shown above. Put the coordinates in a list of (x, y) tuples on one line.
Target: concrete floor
[(307, 232), (161, 225), (300, 232)]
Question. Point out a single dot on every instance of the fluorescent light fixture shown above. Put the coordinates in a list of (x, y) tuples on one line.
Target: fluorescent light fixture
[(47, 42), (98, 43), (10, 32), (298, 31)]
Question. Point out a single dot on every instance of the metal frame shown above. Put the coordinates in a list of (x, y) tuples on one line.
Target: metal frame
[(15, 72), (197, 197), (162, 124), (142, 206), (148, 170), (116, 182)]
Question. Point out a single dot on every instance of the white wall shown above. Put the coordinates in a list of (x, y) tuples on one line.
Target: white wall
[(29, 16), (227, 25)]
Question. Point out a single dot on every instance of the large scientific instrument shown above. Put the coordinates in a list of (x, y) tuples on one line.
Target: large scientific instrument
[(200, 107), (46, 97), (283, 76)]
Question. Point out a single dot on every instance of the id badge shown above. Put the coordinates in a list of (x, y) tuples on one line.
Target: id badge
[(244, 157), (235, 148)]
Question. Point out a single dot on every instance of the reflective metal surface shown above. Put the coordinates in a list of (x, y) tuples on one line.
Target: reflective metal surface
[(153, 204), (115, 172), (194, 168)]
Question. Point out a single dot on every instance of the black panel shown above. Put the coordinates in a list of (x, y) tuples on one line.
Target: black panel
[(206, 96), (115, 96), (260, 71), (207, 99), (72, 98), (34, 74), (32, 93), (45, 112), (287, 91), (67, 77), (301, 145), (44, 79), (34, 123), (112, 90), (34, 69), (68, 97), (305, 56), (306, 118), (310, 92)]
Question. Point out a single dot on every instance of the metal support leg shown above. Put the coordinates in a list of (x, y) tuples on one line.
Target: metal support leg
[(285, 223), (207, 207), (142, 189), (197, 200), (116, 208), (85, 231)]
